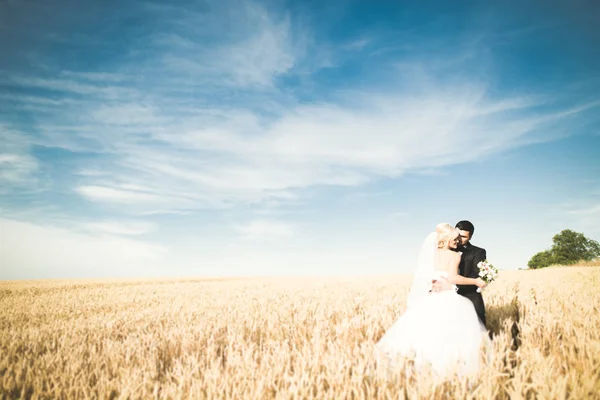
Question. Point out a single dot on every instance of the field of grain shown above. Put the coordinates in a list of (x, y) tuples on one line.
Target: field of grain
[(283, 338)]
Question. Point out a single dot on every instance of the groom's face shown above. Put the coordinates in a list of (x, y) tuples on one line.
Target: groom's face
[(464, 237)]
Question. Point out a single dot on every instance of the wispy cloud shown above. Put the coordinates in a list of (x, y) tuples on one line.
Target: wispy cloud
[(125, 228), (115, 195), (211, 157), (258, 47), (71, 86), (265, 230), (18, 168), (358, 44), (66, 254)]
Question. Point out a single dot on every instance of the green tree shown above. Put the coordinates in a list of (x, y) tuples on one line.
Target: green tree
[(568, 248), (541, 260)]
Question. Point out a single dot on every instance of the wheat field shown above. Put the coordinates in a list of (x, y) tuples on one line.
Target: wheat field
[(284, 338)]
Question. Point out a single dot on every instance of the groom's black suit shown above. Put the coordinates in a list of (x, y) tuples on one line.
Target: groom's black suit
[(471, 256)]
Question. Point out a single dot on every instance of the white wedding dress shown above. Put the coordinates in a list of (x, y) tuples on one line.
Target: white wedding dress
[(440, 330)]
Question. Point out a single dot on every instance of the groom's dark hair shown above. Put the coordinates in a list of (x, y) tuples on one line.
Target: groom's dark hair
[(465, 226)]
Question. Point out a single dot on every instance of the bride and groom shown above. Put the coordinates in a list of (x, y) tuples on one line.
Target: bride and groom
[(444, 326)]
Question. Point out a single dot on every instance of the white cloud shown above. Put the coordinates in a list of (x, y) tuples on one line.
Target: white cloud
[(73, 86), (263, 56), (358, 44), (127, 114), (29, 250), (121, 227), (256, 50), (113, 195), (332, 145), (17, 168), (214, 158)]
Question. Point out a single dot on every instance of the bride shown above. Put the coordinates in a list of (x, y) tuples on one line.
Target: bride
[(440, 330)]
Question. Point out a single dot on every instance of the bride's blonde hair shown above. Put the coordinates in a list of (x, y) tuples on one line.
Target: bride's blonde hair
[(443, 234)]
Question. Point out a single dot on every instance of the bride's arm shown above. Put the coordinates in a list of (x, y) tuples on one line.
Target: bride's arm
[(457, 279)]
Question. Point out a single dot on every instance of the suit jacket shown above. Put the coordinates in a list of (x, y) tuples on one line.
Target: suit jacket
[(471, 256), (468, 268)]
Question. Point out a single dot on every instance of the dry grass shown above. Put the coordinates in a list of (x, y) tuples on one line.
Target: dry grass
[(593, 263), (283, 338)]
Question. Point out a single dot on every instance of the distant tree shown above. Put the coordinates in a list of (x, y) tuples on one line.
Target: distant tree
[(568, 248), (541, 260)]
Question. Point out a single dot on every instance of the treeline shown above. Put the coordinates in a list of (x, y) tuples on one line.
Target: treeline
[(568, 248)]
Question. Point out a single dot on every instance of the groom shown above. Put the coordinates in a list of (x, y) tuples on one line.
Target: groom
[(471, 256)]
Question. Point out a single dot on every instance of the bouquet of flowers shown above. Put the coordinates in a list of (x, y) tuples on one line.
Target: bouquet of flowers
[(487, 272)]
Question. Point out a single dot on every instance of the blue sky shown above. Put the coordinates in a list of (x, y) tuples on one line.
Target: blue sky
[(196, 138)]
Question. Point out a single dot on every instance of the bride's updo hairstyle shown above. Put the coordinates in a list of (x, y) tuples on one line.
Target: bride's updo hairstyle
[(444, 232)]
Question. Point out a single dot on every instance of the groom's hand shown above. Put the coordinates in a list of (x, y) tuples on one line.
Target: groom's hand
[(439, 285), (481, 283)]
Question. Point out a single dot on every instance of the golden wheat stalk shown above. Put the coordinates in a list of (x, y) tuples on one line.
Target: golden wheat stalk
[(284, 338)]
